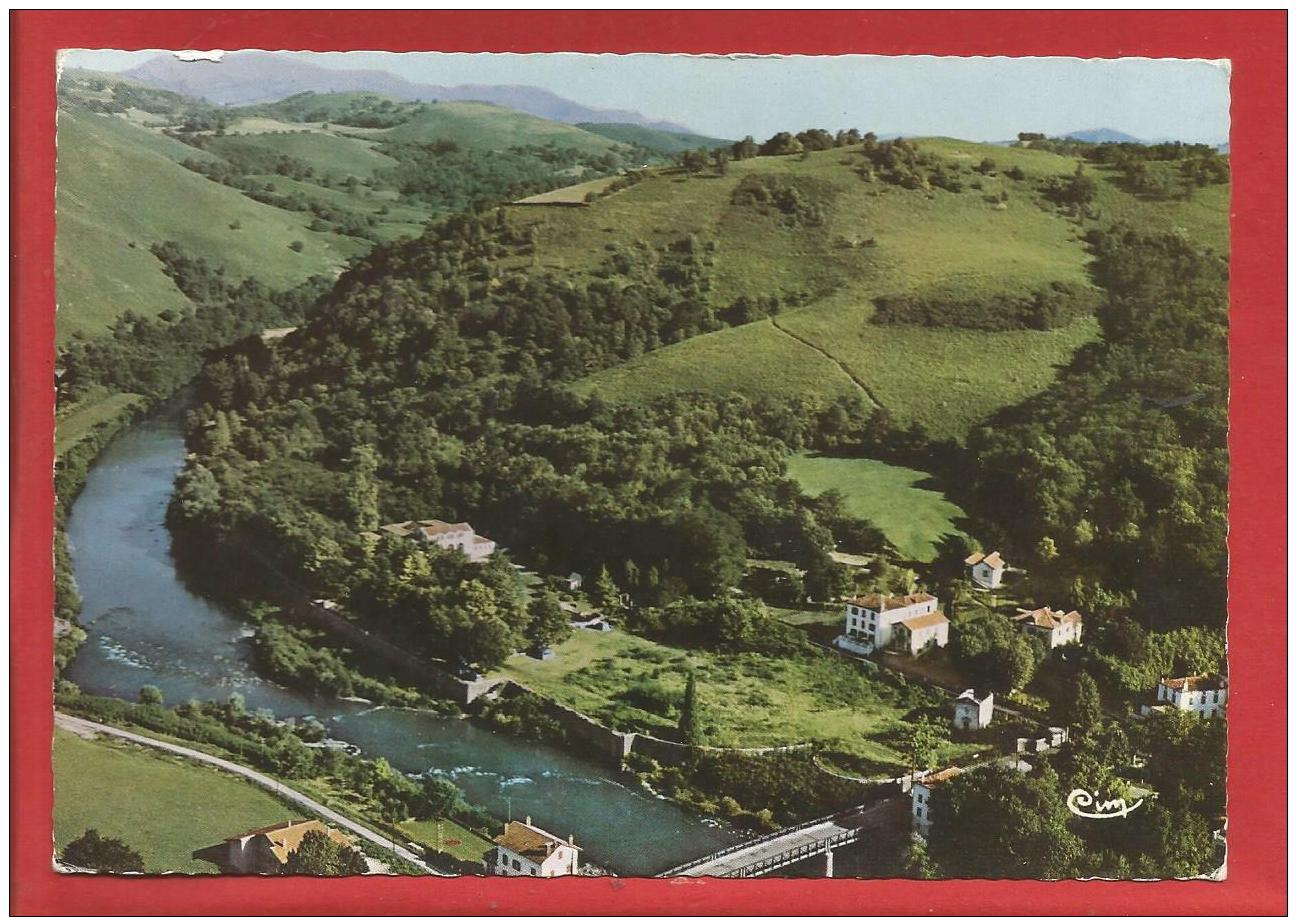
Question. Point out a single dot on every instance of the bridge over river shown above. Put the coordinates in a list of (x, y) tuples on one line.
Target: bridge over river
[(800, 842)]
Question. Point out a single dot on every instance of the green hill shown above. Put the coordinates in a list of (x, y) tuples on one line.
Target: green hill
[(842, 244), (667, 142), (121, 190), (480, 126)]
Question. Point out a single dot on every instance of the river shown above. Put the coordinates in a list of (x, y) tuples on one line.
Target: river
[(146, 628)]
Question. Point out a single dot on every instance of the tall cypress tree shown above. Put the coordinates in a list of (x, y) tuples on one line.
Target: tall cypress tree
[(691, 732)]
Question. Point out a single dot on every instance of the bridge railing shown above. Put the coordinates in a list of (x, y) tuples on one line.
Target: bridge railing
[(765, 838), (792, 855)]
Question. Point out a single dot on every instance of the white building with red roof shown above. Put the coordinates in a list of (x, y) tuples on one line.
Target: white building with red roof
[(986, 570), (525, 850), (1202, 695), (909, 623), (1053, 628), (451, 536)]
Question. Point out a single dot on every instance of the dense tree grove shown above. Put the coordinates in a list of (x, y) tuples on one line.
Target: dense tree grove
[(1122, 462), (1058, 304), (437, 378)]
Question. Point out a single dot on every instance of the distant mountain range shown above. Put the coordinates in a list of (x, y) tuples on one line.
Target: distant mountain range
[(250, 77)]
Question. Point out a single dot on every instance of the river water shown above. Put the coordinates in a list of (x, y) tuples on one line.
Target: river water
[(146, 628)]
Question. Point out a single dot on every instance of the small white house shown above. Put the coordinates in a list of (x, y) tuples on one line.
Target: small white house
[(574, 581), (1054, 628), (973, 712), (921, 797), (985, 570), (525, 850), (1201, 695), (910, 623)]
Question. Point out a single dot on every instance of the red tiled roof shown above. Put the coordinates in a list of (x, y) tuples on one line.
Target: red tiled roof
[(1046, 617), (287, 836), (991, 560), (530, 842), (932, 619), (941, 776), (889, 602), (1203, 682)]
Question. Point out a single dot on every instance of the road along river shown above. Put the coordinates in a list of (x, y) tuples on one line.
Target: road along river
[(146, 628)]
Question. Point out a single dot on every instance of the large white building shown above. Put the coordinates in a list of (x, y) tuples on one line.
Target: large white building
[(909, 623), (986, 570), (525, 850), (1053, 628), (921, 797), (452, 536), (1201, 695)]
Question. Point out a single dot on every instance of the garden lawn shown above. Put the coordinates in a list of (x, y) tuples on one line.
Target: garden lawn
[(456, 840), (912, 519), (164, 807), (745, 699)]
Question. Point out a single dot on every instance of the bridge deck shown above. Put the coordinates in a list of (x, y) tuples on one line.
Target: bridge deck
[(769, 853)]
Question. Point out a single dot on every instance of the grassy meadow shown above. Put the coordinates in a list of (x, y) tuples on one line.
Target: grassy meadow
[(121, 190), (745, 699), (969, 245), (163, 807), (912, 518)]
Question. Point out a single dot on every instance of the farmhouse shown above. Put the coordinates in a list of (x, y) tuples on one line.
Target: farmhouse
[(973, 712), (1202, 695), (452, 536), (264, 851), (921, 797), (908, 623), (985, 570), (525, 850), (1054, 628)]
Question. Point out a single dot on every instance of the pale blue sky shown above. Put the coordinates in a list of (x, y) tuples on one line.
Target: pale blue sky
[(972, 98)]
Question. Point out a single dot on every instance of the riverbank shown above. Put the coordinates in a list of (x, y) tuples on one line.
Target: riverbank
[(147, 628)]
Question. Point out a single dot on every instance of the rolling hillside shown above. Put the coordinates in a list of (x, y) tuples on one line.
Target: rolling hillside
[(121, 190), (480, 126), (669, 142), (996, 237)]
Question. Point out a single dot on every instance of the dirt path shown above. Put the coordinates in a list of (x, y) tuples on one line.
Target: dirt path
[(855, 380)]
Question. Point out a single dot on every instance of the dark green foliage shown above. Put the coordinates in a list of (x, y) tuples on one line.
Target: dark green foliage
[(993, 652), (319, 855), (691, 729), (150, 695), (800, 201), (1123, 461), (105, 854), (1054, 306), (549, 624), (1086, 710), (1025, 816)]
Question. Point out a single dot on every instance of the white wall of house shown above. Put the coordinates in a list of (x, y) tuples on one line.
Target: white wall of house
[(1205, 704), (872, 627), (562, 862), (987, 576), (921, 808), (923, 638), (974, 713)]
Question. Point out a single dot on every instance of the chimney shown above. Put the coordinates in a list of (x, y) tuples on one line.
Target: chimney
[(528, 821), (570, 842)]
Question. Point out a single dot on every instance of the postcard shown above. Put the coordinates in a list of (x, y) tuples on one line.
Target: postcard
[(589, 466)]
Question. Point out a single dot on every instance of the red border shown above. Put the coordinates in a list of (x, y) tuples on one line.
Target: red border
[(1256, 44)]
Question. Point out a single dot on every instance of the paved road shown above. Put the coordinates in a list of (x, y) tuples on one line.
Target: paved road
[(89, 728)]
